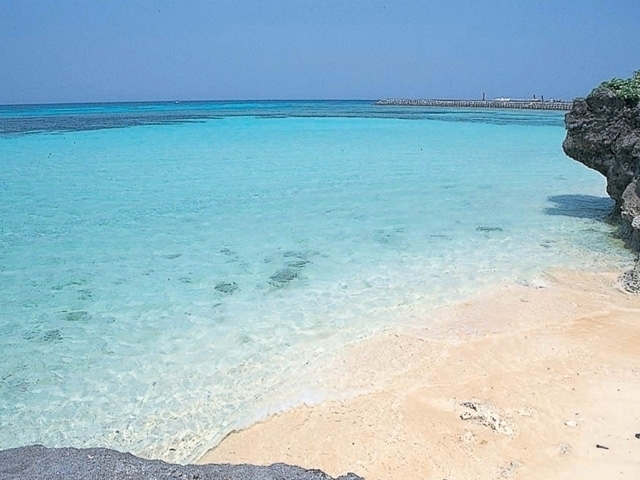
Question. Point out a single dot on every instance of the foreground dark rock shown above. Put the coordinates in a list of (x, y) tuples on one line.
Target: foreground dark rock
[(603, 133), (39, 463)]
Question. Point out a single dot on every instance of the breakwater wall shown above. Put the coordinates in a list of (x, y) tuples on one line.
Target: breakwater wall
[(521, 104)]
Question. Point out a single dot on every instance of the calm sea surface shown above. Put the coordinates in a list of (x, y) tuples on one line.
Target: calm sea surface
[(167, 270)]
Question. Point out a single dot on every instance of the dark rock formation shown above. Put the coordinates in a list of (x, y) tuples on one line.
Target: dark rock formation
[(603, 133), (39, 463), (227, 288)]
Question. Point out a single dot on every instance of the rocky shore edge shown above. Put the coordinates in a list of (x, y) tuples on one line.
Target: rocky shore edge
[(603, 133), (36, 462)]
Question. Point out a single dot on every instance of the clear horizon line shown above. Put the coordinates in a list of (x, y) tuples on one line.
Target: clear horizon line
[(111, 102)]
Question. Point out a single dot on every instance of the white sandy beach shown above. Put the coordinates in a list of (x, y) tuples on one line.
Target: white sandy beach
[(552, 369)]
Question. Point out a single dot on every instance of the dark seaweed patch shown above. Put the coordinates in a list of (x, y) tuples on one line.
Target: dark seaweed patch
[(284, 277), (295, 261), (77, 316), (293, 253), (85, 294), (52, 336), (73, 283), (227, 288), (298, 263), (488, 229)]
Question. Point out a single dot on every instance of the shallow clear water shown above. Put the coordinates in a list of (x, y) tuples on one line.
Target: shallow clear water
[(168, 270)]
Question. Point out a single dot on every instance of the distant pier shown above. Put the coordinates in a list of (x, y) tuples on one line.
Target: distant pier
[(521, 104)]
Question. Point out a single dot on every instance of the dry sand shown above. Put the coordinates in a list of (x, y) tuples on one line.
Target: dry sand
[(552, 371)]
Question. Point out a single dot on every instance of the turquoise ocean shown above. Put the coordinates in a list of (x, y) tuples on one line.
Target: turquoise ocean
[(168, 271)]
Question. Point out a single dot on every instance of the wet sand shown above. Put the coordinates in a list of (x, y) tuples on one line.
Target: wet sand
[(520, 381)]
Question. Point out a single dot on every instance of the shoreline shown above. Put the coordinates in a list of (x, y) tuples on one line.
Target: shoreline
[(518, 381)]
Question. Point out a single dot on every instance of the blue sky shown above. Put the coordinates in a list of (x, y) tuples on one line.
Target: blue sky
[(125, 50)]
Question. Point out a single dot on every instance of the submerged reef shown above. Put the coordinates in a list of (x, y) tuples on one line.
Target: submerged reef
[(38, 462), (603, 133)]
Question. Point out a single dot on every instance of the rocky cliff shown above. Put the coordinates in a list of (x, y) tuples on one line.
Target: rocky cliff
[(603, 133)]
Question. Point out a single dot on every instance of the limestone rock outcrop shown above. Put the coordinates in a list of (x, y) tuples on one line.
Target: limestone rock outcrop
[(603, 133), (37, 462)]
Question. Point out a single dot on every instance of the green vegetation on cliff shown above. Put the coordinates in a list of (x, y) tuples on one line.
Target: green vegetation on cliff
[(626, 88)]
